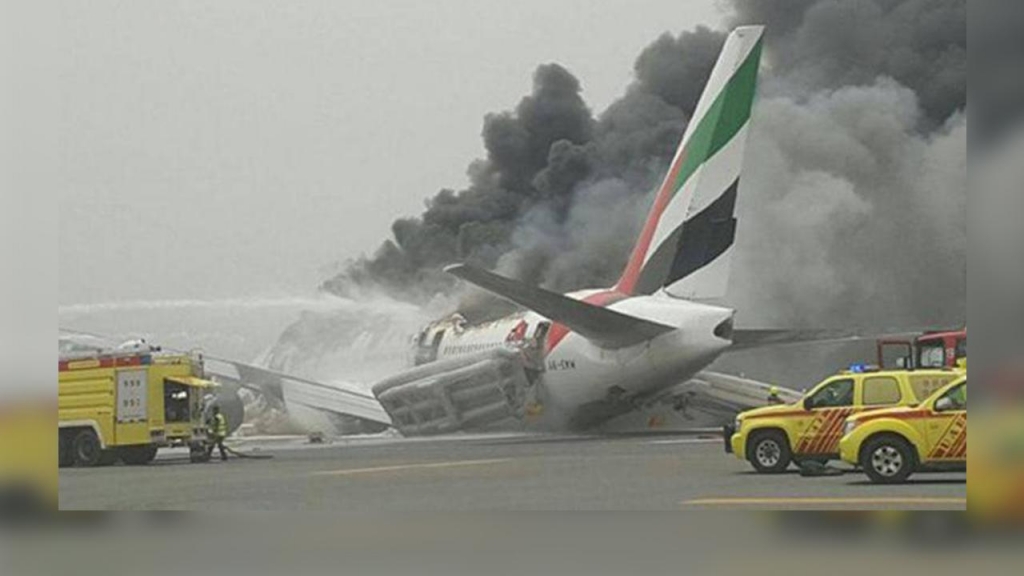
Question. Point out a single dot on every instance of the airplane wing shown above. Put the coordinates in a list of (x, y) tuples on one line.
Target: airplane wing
[(703, 403), (325, 397), (607, 328), (735, 392), (724, 395)]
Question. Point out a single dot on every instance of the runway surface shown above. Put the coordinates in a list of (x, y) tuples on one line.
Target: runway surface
[(509, 472)]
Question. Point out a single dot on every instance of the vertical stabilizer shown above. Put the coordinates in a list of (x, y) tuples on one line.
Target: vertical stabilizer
[(686, 244)]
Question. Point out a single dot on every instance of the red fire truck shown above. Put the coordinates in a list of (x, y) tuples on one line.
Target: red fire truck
[(930, 350)]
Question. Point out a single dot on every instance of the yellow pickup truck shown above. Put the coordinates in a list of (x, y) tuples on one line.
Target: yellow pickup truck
[(891, 444), (772, 437)]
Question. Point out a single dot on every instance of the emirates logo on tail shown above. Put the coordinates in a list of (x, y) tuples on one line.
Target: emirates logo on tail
[(686, 243)]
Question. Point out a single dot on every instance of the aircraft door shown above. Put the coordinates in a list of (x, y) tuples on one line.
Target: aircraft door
[(533, 351), (428, 353)]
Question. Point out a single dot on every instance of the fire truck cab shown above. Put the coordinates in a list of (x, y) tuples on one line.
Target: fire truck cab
[(930, 350)]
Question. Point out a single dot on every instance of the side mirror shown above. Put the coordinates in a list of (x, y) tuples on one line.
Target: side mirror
[(808, 404), (943, 404)]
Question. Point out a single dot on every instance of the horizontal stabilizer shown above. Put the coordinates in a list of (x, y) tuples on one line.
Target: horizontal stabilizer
[(748, 339), (606, 328)]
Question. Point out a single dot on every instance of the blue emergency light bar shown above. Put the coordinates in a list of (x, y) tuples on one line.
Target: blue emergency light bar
[(863, 368)]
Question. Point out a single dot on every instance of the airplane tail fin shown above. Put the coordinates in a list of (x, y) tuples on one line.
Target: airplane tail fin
[(686, 244)]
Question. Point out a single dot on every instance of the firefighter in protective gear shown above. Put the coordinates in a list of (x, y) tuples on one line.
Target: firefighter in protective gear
[(773, 395), (218, 430)]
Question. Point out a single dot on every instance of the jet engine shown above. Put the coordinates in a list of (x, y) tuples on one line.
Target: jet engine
[(469, 392)]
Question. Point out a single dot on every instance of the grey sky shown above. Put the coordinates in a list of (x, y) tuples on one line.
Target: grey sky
[(239, 148)]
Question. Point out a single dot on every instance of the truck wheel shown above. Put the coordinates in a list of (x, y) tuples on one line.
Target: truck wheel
[(138, 455), (65, 457), (86, 450), (769, 452), (887, 460)]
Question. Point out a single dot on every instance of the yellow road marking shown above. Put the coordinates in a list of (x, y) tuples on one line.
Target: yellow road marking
[(423, 466), (822, 501)]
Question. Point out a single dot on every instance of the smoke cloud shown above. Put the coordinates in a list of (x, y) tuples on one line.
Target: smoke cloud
[(852, 206)]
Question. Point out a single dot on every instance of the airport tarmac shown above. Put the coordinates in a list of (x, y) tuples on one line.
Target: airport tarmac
[(487, 472)]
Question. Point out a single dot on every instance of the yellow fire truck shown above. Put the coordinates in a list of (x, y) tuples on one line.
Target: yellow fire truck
[(125, 404)]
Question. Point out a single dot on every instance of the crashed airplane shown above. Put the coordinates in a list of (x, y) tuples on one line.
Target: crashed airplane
[(579, 360)]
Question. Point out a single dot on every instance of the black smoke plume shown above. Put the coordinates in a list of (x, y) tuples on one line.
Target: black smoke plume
[(852, 206)]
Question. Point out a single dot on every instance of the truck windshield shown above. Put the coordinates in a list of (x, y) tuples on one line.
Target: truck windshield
[(931, 354)]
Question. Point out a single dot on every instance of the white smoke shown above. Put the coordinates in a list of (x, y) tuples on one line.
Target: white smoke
[(321, 302), (353, 345), (239, 328)]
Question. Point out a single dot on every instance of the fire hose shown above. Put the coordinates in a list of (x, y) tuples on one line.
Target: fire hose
[(202, 450), (250, 456)]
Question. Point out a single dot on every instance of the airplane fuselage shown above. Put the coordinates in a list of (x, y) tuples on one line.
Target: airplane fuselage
[(578, 383)]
